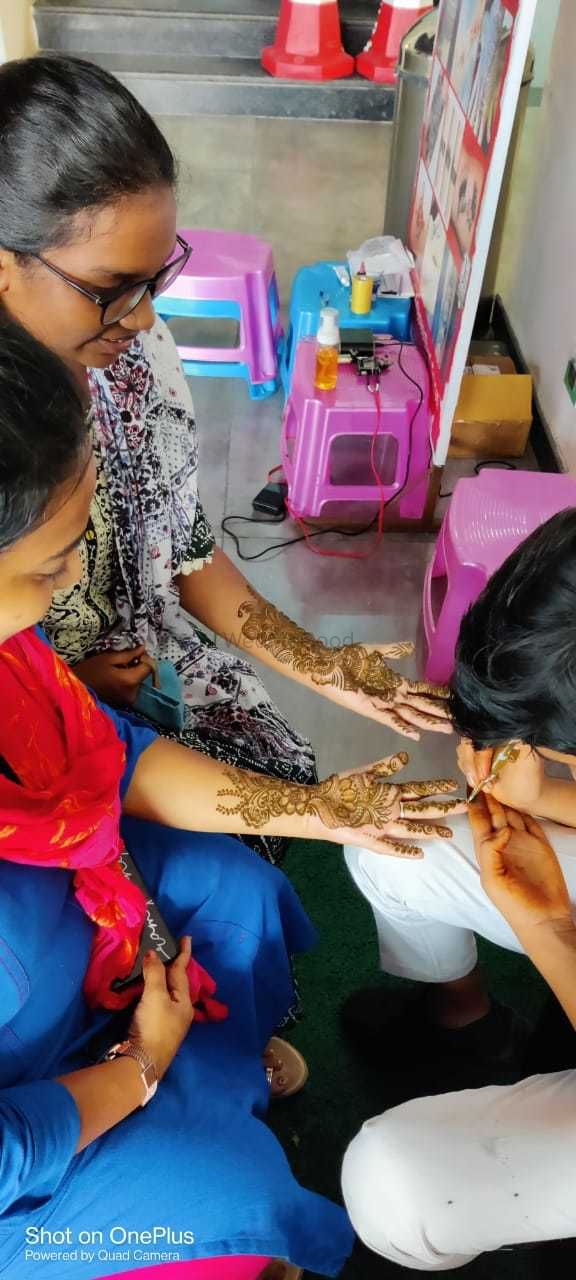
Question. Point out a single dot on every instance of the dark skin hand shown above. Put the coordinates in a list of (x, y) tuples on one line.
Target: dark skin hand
[(116, 677), (524, 879), (520, 871)]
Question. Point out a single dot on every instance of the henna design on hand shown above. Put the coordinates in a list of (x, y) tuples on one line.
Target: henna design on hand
[(426, 690), (426, 829), (348, 667), (438, 787), (358, 800), (396, 722), (402, 649), (421, 806), (403, 849), (393, 764)]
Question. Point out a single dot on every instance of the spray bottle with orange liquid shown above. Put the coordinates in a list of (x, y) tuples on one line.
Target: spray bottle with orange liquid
[(328, 350)]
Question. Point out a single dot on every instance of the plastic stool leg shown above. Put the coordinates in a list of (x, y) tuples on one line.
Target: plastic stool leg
[(460, 594)]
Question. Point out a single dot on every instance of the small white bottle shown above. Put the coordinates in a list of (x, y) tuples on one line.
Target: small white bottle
[(328, 351)]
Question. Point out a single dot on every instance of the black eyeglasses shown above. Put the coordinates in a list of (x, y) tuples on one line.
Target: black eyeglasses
[(115, 304)]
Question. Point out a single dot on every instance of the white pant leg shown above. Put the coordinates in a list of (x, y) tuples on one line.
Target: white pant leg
[(437, 1181), (427, 912)]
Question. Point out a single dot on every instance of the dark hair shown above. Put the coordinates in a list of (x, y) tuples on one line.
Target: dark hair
[(72, 138), (515, 673), (43, 431)]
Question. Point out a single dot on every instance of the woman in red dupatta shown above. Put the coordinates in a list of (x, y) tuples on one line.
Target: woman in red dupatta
[(196, 1173)]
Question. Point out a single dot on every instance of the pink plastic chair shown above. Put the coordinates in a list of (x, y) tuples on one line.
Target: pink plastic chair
[(488, 517), (327, 436), (244, 1268), (230, 274)]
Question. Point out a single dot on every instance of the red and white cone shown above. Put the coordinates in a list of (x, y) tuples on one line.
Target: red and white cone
[(378, 61), (308, 43)]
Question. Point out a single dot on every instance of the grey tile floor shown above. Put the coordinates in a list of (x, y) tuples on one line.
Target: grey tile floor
[(377, 599)]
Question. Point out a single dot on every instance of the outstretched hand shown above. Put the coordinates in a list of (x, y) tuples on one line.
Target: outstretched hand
[(356, 676), (363, 807), (362, 680)]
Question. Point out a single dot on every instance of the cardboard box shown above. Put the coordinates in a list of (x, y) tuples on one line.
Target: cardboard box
[(494, 412)]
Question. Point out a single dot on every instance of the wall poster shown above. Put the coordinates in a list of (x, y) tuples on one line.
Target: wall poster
[(475, 79)]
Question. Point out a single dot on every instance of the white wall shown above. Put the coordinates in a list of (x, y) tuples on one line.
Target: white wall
[(541, 298), (543, 37), (17, 32)]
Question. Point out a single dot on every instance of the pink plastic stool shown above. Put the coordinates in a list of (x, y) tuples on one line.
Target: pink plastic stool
[(242, 1268), (488, 517), (230, 274), (327, 436)]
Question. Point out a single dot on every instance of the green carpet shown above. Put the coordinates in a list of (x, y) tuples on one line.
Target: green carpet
[(316, 1126)]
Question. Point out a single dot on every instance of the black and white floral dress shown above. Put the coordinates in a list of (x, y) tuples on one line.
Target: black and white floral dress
[(146, 527)]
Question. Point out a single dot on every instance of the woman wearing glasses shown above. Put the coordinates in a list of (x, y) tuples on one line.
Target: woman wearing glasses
[(87, 238)]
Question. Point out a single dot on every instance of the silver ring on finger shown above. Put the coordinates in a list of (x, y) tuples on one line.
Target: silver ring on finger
[(402, 814)]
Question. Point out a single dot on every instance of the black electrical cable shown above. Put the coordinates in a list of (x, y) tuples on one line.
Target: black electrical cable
[(301, 537), (481, 466)]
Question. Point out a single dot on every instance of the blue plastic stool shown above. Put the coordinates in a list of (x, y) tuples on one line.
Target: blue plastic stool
[(318, 286)]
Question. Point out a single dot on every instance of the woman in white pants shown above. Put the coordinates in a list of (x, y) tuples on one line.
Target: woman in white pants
[(435, 1182)]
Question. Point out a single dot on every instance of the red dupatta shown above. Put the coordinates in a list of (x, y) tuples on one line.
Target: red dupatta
[(65, 810)]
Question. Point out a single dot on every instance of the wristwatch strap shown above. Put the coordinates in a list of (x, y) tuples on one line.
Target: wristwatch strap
[(148, 1073)]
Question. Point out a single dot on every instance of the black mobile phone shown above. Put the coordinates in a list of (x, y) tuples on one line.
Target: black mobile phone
[(271, 500), (156, 935)]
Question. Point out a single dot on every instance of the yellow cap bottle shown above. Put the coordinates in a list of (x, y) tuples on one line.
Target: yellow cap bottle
[(362, 290), (328, 350)]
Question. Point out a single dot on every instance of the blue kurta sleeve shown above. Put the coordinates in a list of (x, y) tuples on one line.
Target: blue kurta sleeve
[(39, 1131), (136, 736)]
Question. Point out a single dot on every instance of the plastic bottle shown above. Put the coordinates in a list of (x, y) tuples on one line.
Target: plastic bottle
[(328, 339), (362, 290)]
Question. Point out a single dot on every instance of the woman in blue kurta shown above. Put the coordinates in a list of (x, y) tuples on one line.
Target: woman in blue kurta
[(79, 1152), (200, 1159)]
